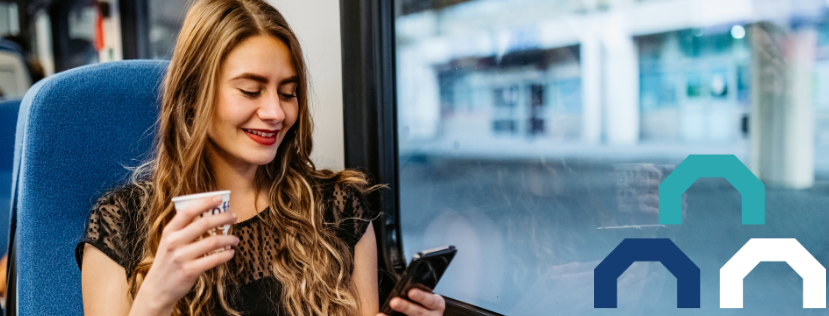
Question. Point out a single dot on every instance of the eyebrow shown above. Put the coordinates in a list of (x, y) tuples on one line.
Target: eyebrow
[(291, 79), (251, 76), (262, 79)]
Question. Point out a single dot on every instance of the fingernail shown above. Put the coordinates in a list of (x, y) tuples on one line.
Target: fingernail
[(217, 199)]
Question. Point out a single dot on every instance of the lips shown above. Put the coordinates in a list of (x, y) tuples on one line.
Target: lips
[(262, 136)]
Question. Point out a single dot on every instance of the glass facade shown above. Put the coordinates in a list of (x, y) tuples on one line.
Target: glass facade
[(533, 135)]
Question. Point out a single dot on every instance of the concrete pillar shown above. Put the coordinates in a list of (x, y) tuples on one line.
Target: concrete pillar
[(418, 96), (621, 83), (591, 87), (781, 118)]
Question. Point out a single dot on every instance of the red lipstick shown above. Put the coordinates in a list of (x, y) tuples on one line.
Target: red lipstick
[(262, 136)]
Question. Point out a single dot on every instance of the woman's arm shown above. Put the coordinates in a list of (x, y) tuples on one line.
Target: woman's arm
[(105, 289), (104, 285), (180, 259), (365, 279), (365, 273)]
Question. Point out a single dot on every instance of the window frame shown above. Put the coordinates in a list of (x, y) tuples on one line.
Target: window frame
[(370, 120), (370, 129)]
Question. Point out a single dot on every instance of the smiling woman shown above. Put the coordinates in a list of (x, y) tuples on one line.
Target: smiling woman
[(234, 116), (256, 104)]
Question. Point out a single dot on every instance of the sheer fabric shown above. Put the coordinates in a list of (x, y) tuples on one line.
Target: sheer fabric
[(116, 227)]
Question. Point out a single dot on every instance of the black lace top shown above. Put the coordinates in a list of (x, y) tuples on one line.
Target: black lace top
[(114, 228)]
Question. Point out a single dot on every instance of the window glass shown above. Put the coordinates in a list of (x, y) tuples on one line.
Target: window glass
[(166, 19), (81, 16), (8, 19), (533, 135)]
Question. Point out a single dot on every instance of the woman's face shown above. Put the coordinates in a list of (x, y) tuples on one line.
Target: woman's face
[(256, 102)]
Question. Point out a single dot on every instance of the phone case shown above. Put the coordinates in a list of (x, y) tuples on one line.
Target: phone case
[(423, 272)]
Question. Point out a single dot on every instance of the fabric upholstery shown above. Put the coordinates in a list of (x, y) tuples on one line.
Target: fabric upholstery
[(77, 132), (8, 123)]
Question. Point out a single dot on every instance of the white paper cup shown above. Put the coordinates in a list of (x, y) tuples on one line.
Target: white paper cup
[(182, 201)]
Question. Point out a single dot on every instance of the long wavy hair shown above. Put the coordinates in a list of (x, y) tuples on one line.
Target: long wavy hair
[(313, 266)]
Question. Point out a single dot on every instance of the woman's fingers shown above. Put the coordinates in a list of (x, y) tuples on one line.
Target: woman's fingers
[(207, 245), (185, 216), (199, 227), (425, 304), (408, 308), (208, 262), (430, 301)]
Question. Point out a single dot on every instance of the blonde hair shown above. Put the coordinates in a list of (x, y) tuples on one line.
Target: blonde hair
[(312, 264)]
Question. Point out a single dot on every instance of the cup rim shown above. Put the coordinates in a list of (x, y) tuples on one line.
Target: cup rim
[(199, 195)]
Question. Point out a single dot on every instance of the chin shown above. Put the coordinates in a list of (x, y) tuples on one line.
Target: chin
[(261, 161)]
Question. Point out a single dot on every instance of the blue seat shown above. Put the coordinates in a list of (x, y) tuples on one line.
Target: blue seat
[(8, 122), (76, 133)]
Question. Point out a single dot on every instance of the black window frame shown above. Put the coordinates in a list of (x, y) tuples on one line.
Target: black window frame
[(370, 129), (370, 120)]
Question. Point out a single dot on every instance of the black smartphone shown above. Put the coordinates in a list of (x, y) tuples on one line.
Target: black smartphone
[(423, 273)]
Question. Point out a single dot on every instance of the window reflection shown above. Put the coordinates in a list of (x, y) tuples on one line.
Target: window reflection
[(534, 134)]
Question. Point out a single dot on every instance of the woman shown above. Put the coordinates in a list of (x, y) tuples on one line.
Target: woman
[(234, 116)]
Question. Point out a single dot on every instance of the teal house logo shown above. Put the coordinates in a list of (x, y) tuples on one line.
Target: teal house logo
[(687, 274)]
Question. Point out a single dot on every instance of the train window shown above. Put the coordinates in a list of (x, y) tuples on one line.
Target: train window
[(533, 135), (166, 18), (80, 47), (9, 24)]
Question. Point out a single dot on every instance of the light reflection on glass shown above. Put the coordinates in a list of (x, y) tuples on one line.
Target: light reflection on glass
[(533, 135)]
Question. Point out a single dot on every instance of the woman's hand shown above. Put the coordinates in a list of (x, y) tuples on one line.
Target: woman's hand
[(181, 256), (428, 304)]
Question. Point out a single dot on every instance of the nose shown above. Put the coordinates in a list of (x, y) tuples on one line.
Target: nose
[(271, 111)]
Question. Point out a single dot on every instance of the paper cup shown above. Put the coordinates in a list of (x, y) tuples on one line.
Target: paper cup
[(182, 201)]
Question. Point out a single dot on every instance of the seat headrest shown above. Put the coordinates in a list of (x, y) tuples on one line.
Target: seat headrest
[(81, 129)]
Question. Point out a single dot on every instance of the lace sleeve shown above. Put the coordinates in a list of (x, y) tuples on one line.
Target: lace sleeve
[(352, 214), (105, 229)]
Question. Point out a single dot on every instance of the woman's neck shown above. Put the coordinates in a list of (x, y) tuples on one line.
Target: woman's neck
[(246, 199)]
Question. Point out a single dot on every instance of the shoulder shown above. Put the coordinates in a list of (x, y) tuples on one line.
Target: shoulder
[(119, 203), (122, 204), (347, 209), (114, 224), (345, 199)]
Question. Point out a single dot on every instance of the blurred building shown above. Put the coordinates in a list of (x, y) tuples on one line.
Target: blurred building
[(573, 76)]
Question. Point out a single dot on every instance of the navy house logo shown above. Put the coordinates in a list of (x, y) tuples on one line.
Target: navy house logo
[(687, 273)]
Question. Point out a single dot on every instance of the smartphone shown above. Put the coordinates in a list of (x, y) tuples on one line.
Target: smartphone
[(423, 273)]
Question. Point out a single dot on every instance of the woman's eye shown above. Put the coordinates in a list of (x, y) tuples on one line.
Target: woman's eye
[(250, 94), (288, 96)]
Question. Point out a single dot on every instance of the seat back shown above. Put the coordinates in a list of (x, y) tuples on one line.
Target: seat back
[(77, 132), (8, 122), (14, 77)]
